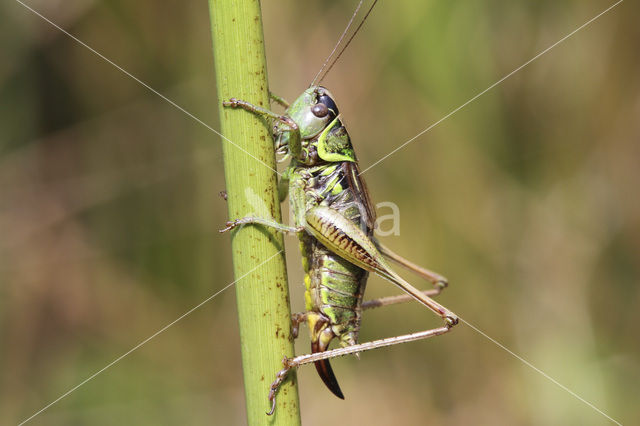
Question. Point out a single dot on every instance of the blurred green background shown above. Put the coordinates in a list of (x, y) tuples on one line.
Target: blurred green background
[(526, 199)]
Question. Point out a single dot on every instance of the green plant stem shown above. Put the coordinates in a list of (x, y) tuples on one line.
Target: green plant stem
[(262, 295)]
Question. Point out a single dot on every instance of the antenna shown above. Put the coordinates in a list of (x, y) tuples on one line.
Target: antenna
[(326, 62)]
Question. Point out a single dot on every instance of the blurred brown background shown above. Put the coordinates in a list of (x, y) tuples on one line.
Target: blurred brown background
[(527, 199)]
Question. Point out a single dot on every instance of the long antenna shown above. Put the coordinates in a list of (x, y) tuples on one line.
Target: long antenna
[(326, 62)]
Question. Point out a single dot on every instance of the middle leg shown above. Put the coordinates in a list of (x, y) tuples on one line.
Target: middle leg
[(262, 221)]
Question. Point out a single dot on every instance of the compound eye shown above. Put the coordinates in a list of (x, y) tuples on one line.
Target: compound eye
[(328, 101), (320, 110)]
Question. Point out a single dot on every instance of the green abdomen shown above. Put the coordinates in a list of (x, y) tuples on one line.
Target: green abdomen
[(334, 286)]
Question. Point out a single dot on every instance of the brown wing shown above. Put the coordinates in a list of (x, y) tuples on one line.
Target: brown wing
[(360, 189)]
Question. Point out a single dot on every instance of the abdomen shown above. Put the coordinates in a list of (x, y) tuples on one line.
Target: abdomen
[(335, 289)]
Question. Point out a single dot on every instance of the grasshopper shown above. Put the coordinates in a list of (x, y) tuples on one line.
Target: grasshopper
[(334, 221)]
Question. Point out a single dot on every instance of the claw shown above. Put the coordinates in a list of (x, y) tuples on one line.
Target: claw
[(296, 320), (233, 103), (229, 226), (282, 374), (273, 406)]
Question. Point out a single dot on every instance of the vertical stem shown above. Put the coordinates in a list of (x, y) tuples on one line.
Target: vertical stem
[(263, 296)]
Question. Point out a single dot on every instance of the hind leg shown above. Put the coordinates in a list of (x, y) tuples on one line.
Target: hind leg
[(318, 356)]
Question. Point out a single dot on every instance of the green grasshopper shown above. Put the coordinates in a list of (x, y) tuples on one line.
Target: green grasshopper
[(334, 221)]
